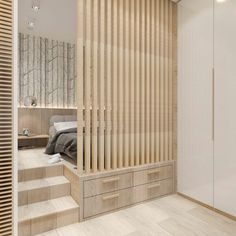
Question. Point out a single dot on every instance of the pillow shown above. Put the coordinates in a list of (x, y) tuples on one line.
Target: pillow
[(60, 126)]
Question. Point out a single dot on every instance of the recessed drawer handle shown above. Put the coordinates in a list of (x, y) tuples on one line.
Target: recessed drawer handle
[(153, 172), (111, 197), (111, 180), (154, 186)]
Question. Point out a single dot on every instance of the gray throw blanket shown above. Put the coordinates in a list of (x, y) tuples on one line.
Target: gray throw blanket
[(64, 142)]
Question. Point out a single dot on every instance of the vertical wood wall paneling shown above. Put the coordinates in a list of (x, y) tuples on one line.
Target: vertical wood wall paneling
[(6, 117), (87, 83), (101, 139), (114, 83), (108, 78), (129, 82)]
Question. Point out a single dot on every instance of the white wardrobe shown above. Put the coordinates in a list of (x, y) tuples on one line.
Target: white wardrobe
[(207, 102)]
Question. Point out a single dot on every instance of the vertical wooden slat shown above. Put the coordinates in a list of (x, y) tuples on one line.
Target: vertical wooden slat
[(157, 81), (108, 78), (162, 45), (94, 84), (147, 80), (142, 73), (152, 84), (126, 79), (80, 87), (170, 56), (114, 84), (137, 41), (131, 75), (174, 81), (6, 118), (101, 82), (129, 82), (120, 85), (87, 82), (166, 78)]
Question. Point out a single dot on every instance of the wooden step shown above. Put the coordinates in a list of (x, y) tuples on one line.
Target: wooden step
[(42, 190), (40, 172), (44, 216)]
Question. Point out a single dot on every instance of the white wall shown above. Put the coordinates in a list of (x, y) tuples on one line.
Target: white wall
[(195, 63), (56, 19)]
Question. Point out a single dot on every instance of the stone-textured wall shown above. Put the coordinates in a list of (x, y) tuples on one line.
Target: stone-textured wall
[(47, 70)]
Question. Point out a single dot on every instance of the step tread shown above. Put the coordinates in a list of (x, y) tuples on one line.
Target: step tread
[(44, 208), (41, 183)]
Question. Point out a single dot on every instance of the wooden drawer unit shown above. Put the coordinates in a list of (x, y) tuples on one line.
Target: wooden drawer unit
[(152, 190), (107, 184), (152, 175), (107, 202)]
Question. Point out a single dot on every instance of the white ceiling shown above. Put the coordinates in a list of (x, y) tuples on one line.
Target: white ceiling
[(56, 19)]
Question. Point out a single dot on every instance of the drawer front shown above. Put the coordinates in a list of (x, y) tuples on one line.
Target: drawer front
[(108, 184), (152, 190), (151, 175), (107, 202)]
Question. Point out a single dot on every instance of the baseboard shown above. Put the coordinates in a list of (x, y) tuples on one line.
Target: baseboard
[(209, 207)]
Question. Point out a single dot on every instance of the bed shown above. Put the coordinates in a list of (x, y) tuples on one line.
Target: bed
[(63, 140)]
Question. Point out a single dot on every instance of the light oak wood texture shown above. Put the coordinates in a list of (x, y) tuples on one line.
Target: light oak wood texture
[(6, 117), (123, 42), (108, 184), (152, 190), (151, 175), (74, 182), (107, 202), (111, 190), (42, 190), (37, 120), (47, 215), (167, 216)]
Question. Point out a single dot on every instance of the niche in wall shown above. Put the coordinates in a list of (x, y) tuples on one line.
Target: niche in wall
[(47, 71)]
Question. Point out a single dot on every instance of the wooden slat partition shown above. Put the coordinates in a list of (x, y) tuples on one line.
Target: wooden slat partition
[(6, 117), (127, 83)]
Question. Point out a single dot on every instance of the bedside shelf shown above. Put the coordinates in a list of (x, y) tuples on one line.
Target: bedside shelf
[(32, 141)]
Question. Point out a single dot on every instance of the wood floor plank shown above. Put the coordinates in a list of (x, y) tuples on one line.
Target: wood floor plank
[(168, 216)]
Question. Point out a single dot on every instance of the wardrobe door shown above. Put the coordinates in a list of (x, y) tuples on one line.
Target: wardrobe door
[(225, 107), (195, 99)]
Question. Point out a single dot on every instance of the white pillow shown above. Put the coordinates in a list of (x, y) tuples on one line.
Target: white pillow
[(60, 126)]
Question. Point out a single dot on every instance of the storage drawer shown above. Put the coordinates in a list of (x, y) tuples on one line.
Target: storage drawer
[(152, 190), (107, 184), (151, 175), (107, 202)]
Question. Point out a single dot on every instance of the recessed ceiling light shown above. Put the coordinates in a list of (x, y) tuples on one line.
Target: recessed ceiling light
[(220, 1), (36, 5)]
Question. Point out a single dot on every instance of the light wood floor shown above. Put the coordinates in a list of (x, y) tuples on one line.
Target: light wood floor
[(168, 216)]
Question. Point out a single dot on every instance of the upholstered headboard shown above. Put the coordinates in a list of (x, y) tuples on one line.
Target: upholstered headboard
[(62, 118), (39, 120)]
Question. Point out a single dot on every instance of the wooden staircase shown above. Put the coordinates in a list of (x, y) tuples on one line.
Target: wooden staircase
[(44, 200)]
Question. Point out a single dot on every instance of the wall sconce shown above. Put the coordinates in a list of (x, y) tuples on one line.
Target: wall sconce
[(30, 101), (36, 5)]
